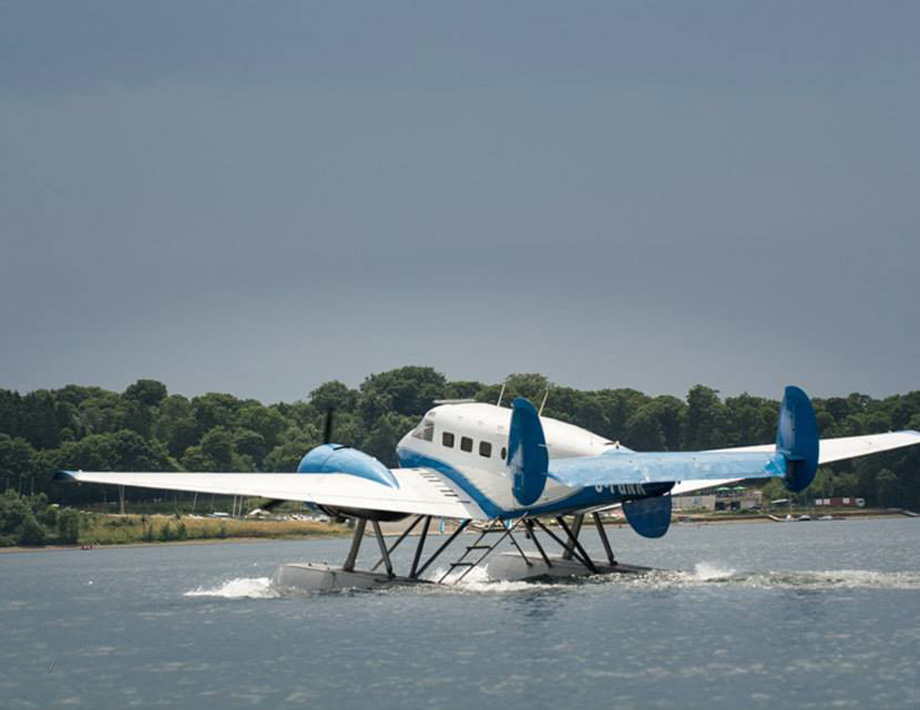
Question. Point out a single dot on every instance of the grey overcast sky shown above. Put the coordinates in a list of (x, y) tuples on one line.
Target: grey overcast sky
[(259, 197)]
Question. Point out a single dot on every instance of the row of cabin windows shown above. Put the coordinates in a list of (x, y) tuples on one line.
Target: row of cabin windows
[(466, 444)]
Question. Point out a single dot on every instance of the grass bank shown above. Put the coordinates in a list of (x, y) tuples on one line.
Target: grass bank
[(98, 529)]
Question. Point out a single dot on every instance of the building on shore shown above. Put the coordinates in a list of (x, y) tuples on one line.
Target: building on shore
[(729, 498), (840, 502)]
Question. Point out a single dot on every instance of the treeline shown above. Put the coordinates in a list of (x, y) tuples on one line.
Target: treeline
[(145, 428)]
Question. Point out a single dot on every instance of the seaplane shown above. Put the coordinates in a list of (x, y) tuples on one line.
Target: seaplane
[(515, 476)]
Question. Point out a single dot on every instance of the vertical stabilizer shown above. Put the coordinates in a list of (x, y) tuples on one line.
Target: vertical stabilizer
[(527, 456), (797, 439)]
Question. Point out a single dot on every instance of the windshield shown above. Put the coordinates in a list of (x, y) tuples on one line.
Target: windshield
[(424, 431)]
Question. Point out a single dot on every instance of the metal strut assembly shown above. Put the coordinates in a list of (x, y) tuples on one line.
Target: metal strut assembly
[(416, 570), (577, 521), (356, 538), (599, 524), (578, 552), (486, 550), (475, 553)]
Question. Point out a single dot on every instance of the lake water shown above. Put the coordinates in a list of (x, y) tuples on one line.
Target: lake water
[(816, 615)]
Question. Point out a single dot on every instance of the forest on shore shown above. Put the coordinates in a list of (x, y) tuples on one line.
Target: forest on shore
[(145, 428)]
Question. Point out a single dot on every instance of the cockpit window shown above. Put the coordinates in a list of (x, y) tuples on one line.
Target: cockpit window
[(485, 449), (466, 443), (424, 431), (447, 439)]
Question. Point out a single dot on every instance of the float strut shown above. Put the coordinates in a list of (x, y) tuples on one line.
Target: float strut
[(556, 538), (349, 565), (419, 547), (520, 551), (598, 523), (577, 521), (398, 540), (383, 548), (533, 536), (582, 555)]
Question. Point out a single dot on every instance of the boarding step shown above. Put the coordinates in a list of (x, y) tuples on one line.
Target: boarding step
[(462, 564), (478, 547)]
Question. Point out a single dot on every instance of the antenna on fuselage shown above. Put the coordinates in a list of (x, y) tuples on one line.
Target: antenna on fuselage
[(500, 395), (543, 403)]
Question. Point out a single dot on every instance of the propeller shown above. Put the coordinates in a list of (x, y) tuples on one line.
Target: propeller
[(271, 504)]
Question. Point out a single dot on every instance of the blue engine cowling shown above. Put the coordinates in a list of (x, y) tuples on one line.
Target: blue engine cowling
[(344, 460), (336, 458)]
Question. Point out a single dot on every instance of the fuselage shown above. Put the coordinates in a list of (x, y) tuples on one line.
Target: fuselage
[(467, 442)]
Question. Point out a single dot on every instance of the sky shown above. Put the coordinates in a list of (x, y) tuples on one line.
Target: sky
[(257, 198)]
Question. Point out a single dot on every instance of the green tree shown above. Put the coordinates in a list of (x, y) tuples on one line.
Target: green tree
[(32, 533), (706, 419), (531, 385), (382, 439), (217, 445), (68, 527), (409, 391), (670, 413), (267, 422), (643, 431), (333, 395), (175, 425), (17, 459), (149, 393), (886, 487)]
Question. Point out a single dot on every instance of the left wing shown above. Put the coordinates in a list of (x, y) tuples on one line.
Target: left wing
[(420, 491)]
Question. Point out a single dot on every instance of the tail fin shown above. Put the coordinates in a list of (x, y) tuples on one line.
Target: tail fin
[(527, 455), (797, 439)]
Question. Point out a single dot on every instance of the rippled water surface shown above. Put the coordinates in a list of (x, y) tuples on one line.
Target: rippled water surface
[(820, 615)]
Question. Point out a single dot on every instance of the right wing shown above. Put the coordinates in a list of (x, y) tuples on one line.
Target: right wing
[(847, 447), (421, 491)]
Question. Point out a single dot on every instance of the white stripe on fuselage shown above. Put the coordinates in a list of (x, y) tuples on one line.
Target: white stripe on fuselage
[(487, 423)]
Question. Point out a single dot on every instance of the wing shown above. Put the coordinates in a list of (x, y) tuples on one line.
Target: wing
[(421, 491), (847, 447)]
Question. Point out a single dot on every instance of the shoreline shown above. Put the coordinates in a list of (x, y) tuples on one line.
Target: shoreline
[(339, 532), (17, 549)]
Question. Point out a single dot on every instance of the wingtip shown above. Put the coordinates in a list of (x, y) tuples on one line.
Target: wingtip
[(65, 476)]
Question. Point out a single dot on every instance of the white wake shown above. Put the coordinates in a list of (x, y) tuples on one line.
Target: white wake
[(238, 588)]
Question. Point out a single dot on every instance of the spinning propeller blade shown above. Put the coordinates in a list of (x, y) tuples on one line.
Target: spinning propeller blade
[(327, 427), (271, 504)]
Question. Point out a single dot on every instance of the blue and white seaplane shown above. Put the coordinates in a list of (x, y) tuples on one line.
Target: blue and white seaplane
[(510, 472)]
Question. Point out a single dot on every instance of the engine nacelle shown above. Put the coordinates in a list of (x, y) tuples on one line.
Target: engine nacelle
[(344, 460), (336, 458)]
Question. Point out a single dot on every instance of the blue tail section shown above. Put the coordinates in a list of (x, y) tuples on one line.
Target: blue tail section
[(797, 439), (527, 457), (650, 517)]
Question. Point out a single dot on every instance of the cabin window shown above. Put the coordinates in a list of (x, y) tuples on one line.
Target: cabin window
[(424, 431), (485, 449), (447, 439), (504, 454), (466, 443)]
